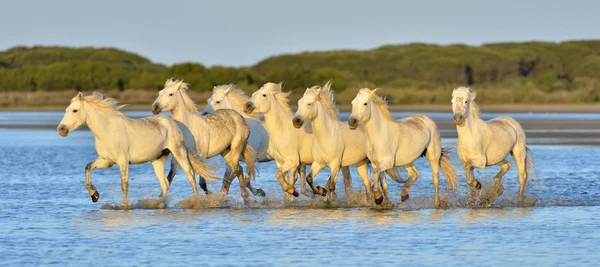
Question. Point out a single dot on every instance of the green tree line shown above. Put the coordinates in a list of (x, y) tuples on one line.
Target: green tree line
[(505, 72)]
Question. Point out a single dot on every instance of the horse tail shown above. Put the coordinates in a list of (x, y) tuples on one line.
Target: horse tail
[(530, 164), (447, 168), (202, 168), (248, 155), (395, 175)]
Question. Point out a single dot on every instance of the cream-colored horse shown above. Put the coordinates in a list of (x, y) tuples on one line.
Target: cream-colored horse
[(123, 141), (230, 97), (224, 133), (485, 143), (335, 145), (400, 142), (289, 146)]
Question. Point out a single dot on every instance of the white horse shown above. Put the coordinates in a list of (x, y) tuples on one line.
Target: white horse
[(400, 142), (334, 145), (230, 97), (289, 147), (224, 133), (123, 141), (485, 143)]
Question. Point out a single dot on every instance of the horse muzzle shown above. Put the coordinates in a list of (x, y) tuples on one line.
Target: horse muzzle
[(156, 109), (204, 113), (297, 122), (62, 130), (458, 119), (353, 123), (249, 107)]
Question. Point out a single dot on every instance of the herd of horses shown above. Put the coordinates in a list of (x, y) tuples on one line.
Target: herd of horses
[(232, 126)]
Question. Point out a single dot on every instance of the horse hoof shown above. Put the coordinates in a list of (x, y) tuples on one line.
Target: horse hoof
[(95, 197), (404, 198), (322, 191), (379, 200), (296, 194), (478, 186), (260, 193)]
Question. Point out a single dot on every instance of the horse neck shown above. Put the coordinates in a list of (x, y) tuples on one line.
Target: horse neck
[(181, 113), (97, 121), (473, 123), (277, 117), (377, 124), (323, 124)]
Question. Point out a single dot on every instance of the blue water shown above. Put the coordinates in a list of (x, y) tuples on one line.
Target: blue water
[(47, 217)]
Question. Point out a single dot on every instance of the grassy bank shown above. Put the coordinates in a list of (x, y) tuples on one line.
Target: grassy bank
[(503, 73)]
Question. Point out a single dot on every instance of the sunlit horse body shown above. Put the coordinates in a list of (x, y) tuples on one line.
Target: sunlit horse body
[(335, 145), (290, 147), (230, 97), (225, 132), (123, 141), (399, 142), (485, 143)]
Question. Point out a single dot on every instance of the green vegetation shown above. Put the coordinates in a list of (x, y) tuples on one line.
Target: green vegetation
[(533, 72)]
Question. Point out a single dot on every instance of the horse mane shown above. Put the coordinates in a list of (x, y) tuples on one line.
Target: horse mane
[(237, 96), (380, 104), (280, 96), (102, 102), (187, 99), (473, 107), (326, 96)]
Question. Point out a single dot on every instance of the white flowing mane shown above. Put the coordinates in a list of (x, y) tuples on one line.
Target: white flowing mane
[(379, 102), (237, 97), (102, 102), (474, 108), (187, 100), (325, 95), (282, 97)]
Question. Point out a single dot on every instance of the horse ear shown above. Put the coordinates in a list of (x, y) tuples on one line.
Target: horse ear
[(472, 96), (80, 96), (180, 86), (228, 89), (306, 92), (374, 90)]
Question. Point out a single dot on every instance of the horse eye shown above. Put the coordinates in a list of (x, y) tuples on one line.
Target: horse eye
[(309, 104), (365, 104), (465, 101), (218, 102), (74, 111), (265, 95)]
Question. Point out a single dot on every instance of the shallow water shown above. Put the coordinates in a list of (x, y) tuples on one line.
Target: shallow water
[(48, 218)]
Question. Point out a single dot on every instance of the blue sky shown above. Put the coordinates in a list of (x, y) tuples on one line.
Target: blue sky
[(235, 33)]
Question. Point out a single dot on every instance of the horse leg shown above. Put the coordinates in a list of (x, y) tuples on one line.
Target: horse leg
[(125, 182), (520, 157), (413, 175), (243, 183), (376, 183), (315, 169), (471, 181), (364, 175), (384, 186), (227, 180), (347, 180), (96, 164), (279, 175), (159, 171), (335, 169), (180, 154), (255, 191), (504, 167), (302, 171), (173, 170)]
